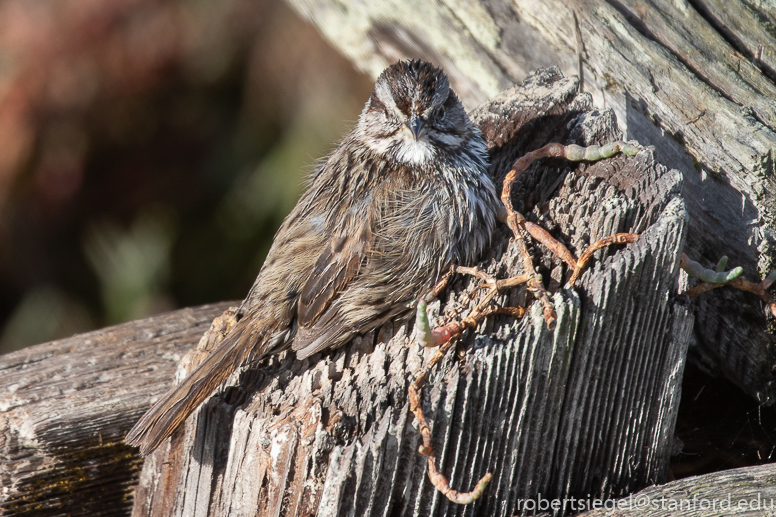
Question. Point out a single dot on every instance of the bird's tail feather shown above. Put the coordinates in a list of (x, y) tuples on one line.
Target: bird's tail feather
[(171, 411)]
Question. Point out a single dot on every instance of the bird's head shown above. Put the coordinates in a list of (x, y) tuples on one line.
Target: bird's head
[(413, 115)]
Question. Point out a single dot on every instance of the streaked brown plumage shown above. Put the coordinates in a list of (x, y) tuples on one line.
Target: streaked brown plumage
[(403, 196)]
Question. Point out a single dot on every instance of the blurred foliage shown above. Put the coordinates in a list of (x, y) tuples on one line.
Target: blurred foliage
[(150, 150), (42, 313), (133, 266)]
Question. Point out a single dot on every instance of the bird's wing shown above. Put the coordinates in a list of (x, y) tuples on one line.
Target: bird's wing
[(337, 265), (356, 283)]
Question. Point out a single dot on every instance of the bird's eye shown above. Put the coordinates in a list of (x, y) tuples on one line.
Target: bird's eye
[(388, 114)]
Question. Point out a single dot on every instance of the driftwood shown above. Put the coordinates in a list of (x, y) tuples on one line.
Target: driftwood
[(694, 78), (586, 408), (747, 491), (65, 407)]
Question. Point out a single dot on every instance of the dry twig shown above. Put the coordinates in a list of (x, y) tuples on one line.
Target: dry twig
[(444, 337), (517, 222)]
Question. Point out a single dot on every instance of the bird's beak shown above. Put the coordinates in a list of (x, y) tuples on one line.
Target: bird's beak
[(415, 123)]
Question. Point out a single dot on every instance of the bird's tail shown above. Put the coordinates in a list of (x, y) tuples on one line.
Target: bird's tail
[(171, 411)]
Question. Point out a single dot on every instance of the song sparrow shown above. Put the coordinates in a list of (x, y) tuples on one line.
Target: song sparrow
[(404, 195)]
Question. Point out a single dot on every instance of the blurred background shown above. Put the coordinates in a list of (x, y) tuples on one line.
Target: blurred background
[(149, 150)]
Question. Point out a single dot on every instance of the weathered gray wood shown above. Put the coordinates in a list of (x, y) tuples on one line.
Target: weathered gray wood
[(587, 408), (680, 75), (744, 24), (65, 407), (746, 491)]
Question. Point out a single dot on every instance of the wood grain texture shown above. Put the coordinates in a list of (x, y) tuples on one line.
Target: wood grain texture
[(747, 491), (587, 408), (66, 406), (684, 76)]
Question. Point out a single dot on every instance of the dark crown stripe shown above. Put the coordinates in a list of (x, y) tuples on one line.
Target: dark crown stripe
[(410, 80)]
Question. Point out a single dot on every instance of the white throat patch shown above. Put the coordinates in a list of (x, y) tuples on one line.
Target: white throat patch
[(414, 152), (404, 150)]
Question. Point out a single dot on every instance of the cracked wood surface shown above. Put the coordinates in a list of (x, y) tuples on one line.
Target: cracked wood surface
[(65, 407), (694, 78), (587, 408)]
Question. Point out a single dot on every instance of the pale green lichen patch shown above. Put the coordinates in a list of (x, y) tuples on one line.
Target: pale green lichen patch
[(350, 29), (478, 21)]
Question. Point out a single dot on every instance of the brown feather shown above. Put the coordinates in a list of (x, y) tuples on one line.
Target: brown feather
[(335, 268), (175, 407)]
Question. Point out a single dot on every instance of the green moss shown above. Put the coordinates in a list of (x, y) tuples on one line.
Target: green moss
[(80, 482)]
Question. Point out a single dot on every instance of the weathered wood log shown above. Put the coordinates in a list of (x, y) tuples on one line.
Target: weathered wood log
[(587, 408), (746, 491), (694, 78), (66, 406)]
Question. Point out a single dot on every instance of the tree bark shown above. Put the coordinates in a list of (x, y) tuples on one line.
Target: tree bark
[(694, 78)]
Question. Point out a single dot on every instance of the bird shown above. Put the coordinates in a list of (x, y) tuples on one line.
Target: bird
[(402, 197)]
